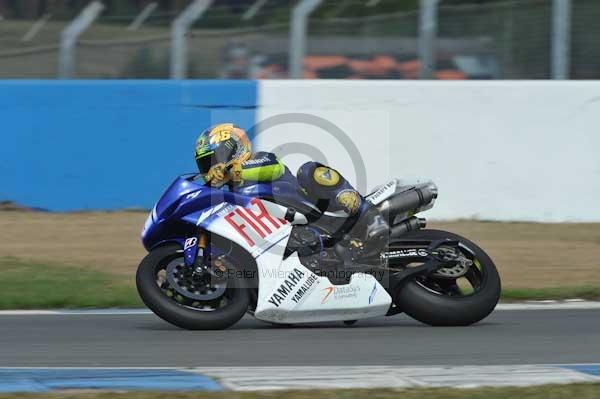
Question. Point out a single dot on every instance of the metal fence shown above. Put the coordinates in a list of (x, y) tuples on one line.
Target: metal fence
[(520, 39), (514, 37)]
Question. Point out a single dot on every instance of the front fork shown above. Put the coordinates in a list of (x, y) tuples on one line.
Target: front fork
[(194, 250)]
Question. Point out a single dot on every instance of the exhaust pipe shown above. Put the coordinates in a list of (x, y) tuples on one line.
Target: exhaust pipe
[(409, 200), (414, 223)]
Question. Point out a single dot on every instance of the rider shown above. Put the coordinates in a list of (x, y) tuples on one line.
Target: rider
[(224, 156)]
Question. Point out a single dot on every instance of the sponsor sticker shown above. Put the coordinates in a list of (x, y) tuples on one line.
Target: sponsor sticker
[(382, 193), (305, 288), (190, 242), (339, 292), (405, 253), (218, 210), (193, 195), (265, 160), (253, 223), (373, 292), (286, 288)]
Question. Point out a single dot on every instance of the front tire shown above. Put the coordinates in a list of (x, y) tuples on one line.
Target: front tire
[(177, 313), (428, 306)]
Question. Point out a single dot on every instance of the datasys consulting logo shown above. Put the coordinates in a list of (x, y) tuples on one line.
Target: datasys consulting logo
[(340, 292)]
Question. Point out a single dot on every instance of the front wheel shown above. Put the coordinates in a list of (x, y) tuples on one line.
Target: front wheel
[(446, 299), (185, 300)]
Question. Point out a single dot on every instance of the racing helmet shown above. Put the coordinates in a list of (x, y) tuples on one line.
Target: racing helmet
[(218, 148)]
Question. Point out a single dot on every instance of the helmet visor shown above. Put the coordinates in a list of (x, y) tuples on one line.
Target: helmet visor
[(223, 153), (204, 163)]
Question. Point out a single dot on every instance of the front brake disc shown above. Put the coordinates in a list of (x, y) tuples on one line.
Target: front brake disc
[(202, 287)]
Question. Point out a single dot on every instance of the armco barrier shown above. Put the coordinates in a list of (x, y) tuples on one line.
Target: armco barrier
[(500, 150)]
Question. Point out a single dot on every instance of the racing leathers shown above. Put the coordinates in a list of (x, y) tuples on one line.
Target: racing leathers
[(341, 208)]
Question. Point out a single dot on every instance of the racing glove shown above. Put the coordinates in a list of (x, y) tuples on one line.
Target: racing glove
[(235, 171), (216, 175)]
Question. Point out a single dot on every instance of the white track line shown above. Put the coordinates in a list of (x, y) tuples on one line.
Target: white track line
[(79, 312), (573, 304), (323, 377)]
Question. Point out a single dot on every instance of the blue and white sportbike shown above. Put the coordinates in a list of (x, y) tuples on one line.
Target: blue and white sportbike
[(263, 249)]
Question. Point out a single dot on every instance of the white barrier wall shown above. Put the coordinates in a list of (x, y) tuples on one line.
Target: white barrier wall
[(498, 150)]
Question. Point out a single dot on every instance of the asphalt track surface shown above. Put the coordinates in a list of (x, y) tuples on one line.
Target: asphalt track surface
[(506, 337)]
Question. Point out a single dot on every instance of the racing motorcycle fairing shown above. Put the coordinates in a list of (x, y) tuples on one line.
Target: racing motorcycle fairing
[(287, 290), (297, 295), (185, 206)]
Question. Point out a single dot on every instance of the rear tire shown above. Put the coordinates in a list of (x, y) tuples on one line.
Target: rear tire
[(437, 309), (169, 310)]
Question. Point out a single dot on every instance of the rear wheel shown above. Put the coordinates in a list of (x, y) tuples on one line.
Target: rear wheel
[(457, 296), (189, 301)]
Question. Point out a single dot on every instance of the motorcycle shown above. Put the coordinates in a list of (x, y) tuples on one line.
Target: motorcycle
[(264, 249)]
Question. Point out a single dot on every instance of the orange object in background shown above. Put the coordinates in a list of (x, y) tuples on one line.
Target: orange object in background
[(307, 74), (360, 66), (324, 61), (385, 62), (410, 69), (450, 74), (382, 65), (342, 67)]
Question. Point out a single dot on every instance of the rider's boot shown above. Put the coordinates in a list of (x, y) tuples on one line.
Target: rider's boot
[(371, 231), (377, 230)]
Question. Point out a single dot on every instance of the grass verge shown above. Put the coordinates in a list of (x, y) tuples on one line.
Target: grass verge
[(523, 294), (35, 285), (579, 391)]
